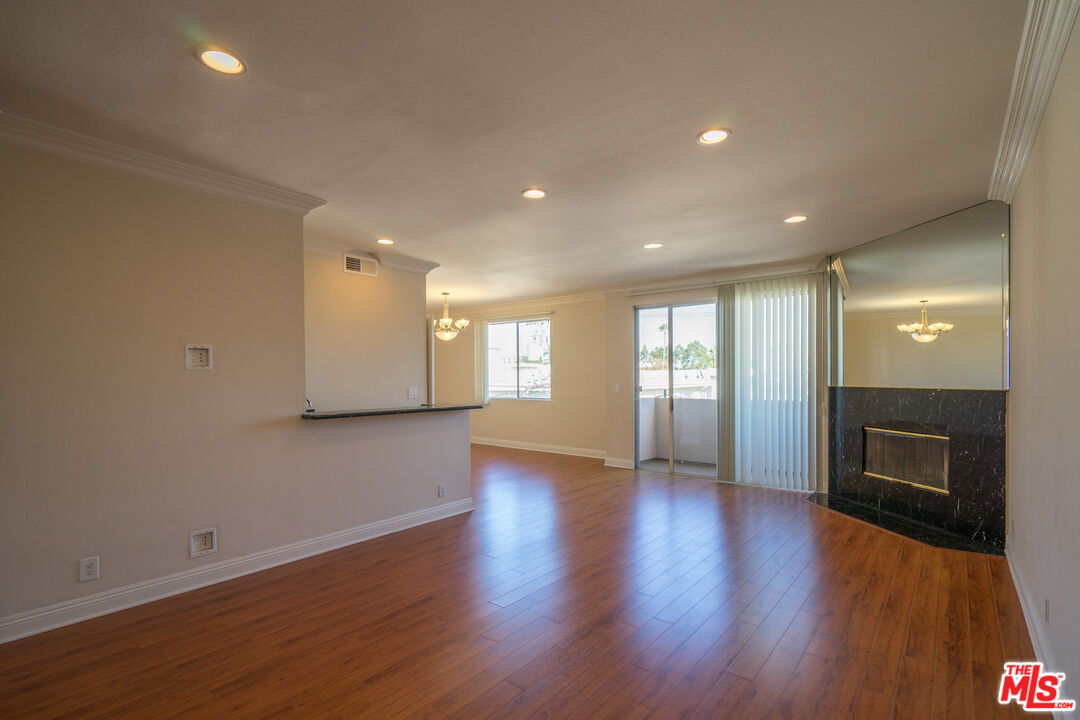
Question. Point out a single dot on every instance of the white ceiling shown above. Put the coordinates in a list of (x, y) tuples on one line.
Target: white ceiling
[(422, 121)]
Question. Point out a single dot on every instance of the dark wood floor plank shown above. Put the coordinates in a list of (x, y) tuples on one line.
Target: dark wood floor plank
[(953, 690), (914, 698), (878, 687), (985, 638), (573, 590), (850, 650), (799, 700)]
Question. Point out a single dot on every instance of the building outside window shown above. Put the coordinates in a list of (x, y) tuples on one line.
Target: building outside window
[(519, 359)]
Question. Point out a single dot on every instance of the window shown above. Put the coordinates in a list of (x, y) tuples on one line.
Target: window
[(519, 359)]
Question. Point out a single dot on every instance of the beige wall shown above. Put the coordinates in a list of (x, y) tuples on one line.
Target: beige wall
[(456, 374), (1044, 400), (970, 356), (364, 336), (110, 447), (574, 418)]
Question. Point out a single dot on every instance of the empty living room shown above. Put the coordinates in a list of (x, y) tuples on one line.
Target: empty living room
[(539, 360)]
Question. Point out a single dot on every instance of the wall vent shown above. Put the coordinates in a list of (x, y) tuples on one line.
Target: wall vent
[(361, 264)]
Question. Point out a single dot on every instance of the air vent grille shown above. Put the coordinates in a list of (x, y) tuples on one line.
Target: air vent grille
[(360, 264)]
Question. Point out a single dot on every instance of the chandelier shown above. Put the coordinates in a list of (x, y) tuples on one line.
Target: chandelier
[(446, 328), (923, 331)]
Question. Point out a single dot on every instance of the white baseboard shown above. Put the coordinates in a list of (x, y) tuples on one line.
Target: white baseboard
[(1035, 627), (1031, 618), (39, 620), (539, 447), (625, 463)]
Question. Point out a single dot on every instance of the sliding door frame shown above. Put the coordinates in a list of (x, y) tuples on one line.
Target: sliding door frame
[(670, 306)]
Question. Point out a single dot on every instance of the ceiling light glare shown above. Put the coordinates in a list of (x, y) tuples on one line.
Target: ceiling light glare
[(795, 219), (653, 246), (713, 136), (533, 193), (385, 241), (223, 62)]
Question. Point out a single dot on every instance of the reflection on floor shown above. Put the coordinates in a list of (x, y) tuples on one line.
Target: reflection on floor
[(684, 468), (573, 590)]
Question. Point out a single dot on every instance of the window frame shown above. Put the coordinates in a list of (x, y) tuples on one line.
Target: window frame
[(516, 322)]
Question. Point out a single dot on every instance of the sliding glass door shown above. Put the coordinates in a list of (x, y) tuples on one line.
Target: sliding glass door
[(676, 396)]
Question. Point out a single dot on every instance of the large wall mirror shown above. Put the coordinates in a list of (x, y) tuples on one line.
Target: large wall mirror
[(956, 269)]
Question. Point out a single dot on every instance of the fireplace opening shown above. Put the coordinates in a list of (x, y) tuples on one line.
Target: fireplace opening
[(917, 459)]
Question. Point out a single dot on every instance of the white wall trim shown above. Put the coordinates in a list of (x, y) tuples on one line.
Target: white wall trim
[(406, 263), (1031, 618), (624, 463), (39, 620), (539, 447), (41, 136), (322, 246), (673, 284), (528, 306), (1042, 44), (1035, 627)]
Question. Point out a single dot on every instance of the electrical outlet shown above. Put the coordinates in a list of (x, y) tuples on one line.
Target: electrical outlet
[(203, 542), (89, 568), (442, 490), (618, 387), (414, 393), (198, 357)]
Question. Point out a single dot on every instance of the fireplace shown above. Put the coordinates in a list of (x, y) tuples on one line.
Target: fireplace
[(950, 475), (918, 459)]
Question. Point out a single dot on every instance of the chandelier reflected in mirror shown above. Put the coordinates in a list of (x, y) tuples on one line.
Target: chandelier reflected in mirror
[(925, 332), (446, 328)]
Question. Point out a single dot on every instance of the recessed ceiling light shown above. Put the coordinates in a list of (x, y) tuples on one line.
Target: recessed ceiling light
[(795, 219), (653, 246), (385, 241), (533, 193), (223, 62), (713, 136)]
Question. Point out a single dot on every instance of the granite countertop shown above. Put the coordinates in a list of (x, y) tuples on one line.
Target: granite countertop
[(331, 414)]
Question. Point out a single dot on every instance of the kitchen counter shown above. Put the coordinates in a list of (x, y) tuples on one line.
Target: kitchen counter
[(415, 409)]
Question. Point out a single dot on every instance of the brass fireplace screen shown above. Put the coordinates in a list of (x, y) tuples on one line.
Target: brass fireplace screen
[(914, 458)]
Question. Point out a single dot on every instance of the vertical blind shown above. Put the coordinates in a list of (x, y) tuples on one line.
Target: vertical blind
[(774, 391)]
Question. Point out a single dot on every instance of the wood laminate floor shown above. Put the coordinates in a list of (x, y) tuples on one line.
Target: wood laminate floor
[(573, 591)]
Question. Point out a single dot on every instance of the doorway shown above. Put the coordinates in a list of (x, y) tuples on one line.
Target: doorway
[(675, 397)]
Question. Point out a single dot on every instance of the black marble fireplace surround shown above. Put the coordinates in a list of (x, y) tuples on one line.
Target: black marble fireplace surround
[(974, 421)]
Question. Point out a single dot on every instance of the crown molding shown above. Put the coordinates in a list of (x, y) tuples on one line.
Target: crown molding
[(406, 263), (529, 305), (76, 146), (677, 283), (1042, 44), (326, 247), (731, 276)]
